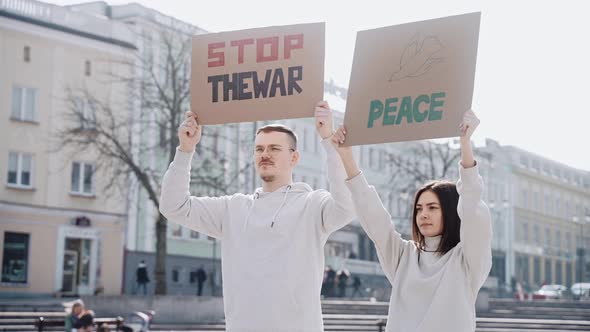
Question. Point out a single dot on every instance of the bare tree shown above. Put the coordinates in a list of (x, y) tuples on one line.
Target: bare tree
[(412, 164), (135, 135), (415, 163)]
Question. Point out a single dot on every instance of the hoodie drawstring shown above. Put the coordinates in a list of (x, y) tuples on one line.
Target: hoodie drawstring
[(274, 218)]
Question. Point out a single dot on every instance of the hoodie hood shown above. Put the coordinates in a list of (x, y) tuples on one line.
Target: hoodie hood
[(259, 195)]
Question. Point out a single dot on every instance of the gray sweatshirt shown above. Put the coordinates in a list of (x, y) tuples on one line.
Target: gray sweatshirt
[(436, 293), (272, 276)]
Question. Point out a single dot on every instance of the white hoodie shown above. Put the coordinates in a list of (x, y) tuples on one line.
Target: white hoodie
[(272, 273), (436, 293)]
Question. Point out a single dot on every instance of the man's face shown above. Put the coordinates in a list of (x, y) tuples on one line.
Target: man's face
[(274, 156)]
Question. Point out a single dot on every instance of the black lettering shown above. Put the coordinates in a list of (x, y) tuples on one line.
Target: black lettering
[(230, 86), (215, 86), (295, 74), (261, 87), (278, 82), (242, 95)]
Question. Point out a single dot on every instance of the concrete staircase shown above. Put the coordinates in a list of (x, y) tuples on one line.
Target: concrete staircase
[(505, 315)]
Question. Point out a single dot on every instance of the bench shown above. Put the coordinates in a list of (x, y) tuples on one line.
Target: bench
[(43, 323)]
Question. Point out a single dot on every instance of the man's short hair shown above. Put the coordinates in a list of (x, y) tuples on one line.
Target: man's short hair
[(281, 129)]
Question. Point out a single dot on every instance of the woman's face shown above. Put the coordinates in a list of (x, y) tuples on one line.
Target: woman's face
[(78, 309), (429, 214)]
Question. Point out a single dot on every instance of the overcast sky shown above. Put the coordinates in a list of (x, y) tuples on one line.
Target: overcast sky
[(533, 66)]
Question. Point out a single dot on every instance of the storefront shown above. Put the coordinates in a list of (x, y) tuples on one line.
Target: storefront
[(46, 251)]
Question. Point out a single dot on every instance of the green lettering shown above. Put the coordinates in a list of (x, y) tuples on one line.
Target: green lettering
[(390, 109), (435, 114), (405, 110), (375, 111), (420, 116)]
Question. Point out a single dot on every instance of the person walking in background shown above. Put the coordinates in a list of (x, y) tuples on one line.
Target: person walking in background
[(201, 277), (142, 279)]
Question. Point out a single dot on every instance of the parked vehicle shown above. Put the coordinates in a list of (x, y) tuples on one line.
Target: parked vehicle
[(580, 290), (550, 292)]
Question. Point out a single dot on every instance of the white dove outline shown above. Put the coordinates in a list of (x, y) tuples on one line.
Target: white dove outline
[(412, 63)]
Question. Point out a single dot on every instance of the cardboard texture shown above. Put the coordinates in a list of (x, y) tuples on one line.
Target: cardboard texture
[(412, 81), (258, 74)]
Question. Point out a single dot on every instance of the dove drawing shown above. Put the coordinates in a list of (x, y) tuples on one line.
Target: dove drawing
[(418, 57)]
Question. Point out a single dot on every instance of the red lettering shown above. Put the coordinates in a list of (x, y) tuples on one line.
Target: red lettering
[(240, 44), (216, 55), (274, 49), (292, 42)]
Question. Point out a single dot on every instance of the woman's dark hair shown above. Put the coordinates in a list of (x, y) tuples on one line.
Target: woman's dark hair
[(86, 320), (449, 198)]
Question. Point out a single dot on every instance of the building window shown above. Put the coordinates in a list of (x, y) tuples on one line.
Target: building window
[(524, 199), (82, 178), (338, 249), (15, 258), (558, 239), (548, 204), (87, 68), (23, 103), (548, 272), (524, 161), (87, 112), (548, 237), (537, 234), (525, 232), (20, 169), (568, 274), (177, 231), (176, 275), (27, 54), (194, 235)]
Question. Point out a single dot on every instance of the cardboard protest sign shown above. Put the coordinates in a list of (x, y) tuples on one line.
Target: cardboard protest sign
[(412, 81), (258, 74)]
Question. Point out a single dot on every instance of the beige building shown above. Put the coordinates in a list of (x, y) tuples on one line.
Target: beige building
[(59, 232), (541, 212)]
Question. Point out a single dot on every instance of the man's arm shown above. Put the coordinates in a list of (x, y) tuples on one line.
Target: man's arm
[(202, 214), (337, 207)]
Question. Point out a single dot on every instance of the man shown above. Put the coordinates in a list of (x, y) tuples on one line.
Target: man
[(201, 277), (142, 278), (272, 240)]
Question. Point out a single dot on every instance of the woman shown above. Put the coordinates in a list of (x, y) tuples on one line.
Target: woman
[(435, 277), (72, 321), (79, 319)]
